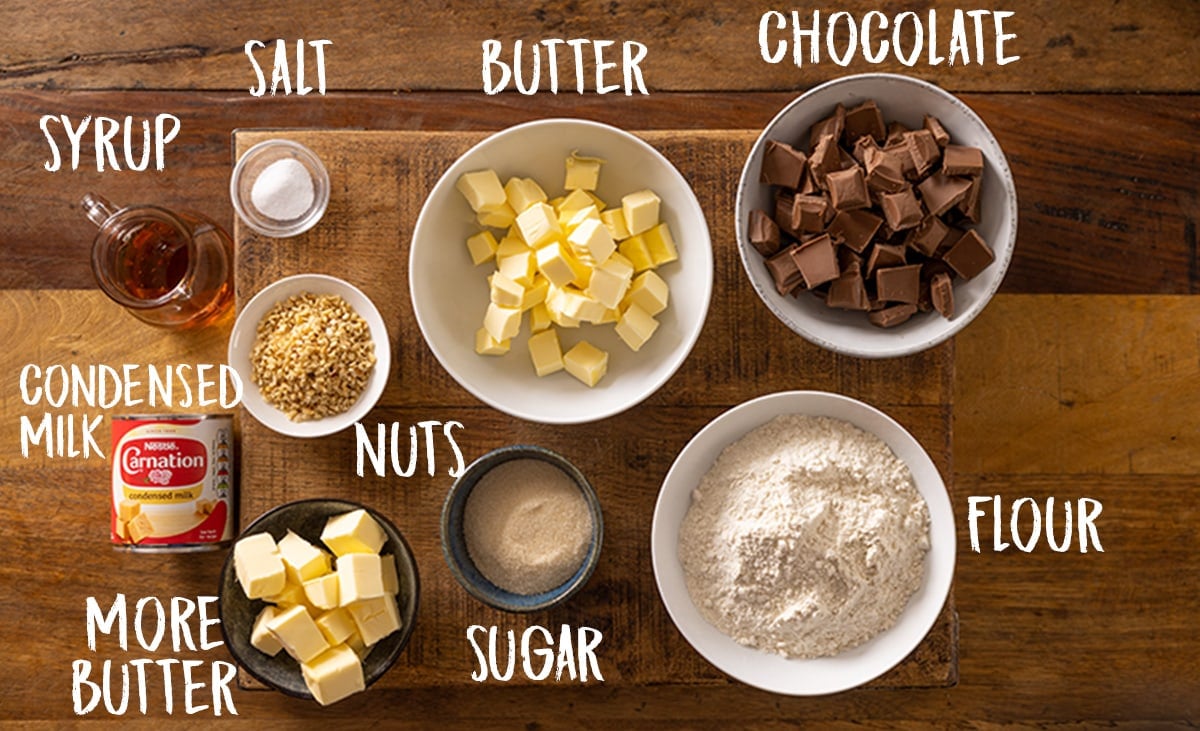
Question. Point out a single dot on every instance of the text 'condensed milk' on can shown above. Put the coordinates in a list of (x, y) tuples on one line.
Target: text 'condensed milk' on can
[(172, 482)]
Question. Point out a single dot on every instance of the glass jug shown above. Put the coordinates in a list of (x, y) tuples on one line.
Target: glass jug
[(168, 269)]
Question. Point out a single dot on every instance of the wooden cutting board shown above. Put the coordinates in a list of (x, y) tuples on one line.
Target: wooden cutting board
[(379, 181)]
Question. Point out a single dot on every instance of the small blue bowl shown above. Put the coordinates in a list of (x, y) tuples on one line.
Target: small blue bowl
[(454, 544)]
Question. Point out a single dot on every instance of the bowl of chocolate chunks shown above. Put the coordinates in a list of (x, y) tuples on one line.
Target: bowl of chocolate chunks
[(876, 215)]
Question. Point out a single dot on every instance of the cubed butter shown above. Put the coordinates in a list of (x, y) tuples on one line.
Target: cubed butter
[(258, 566), (391, 578), (523, 193), (260, 637), (482, 247), (501, 323), (538, 225), (576, 200), (614, 219), (520, 268), (485, 344), (298, 633), (635, 327), (573, 303), (501, 216), (558, 265), (482, 189), (536, 294), (375, 618), (510, 246), (610, 281), (291, 595), (586, 362), (571, 220), (545, 352), (334, 675), (301, 559), (322, 592), (504, 291), (583, 173), (592, 243), (640, 210), (360, 576), (661, 244), (539, 318), (649, 292), (355, 642), (353, 532), (336, 625), (634, 249)]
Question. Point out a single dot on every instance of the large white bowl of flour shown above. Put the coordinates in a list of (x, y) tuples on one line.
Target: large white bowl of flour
[(769, 670)]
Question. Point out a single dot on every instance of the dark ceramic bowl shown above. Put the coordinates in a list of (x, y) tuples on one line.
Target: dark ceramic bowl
[(307, 518), (454, 544)]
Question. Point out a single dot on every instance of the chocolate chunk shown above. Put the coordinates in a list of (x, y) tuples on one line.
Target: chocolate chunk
[(816, 261), (884, 255), (969, 205), (942, 192), (940, 135), (825, 159), (784, 270), (892, 316), (941, 291), (864, 143), (885, 171), (784, 204), (782, 165), (831, 125), (865, 119), (926, 237), (895, 133), (848, 189), (764, 233), (899, 284), (808, 213), (808, 184), (902, 153), (953, 234), (924, 301), (960, 160), (924, 150), (855, 228), (970, 256), (849, 261), (848, 160), (848, 292), (901, 210)]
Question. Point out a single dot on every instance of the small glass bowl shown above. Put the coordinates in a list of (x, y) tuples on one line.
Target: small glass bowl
[(252, 164)]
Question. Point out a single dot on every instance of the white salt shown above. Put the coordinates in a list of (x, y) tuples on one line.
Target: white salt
[(283, 190)]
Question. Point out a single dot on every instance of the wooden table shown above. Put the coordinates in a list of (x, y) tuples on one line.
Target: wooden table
[(1080, 378)]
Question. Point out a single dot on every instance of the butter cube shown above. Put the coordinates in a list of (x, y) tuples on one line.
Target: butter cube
[(260, 637), (485, 344), (649, 292), (360, 576), (610, 281), (501, 323), (614, 219), (391, 578), (482, 247), (504, 291), (258, 566), (634, 249), (640, 210), (334, 675), (290, 596), (336, 626), (298, 633), (126, 509), (355, 642), (520, 268), (353, 532), (576, 200), (482, 190), (539, 318), (583, 173), (500, 217), (545, 352), (557, 317), (322, 592), (558, 265), (591, 242), (301, 559), (538, 225), (661, 244), (375, 618), (511, 246), (571, 220), (140, 528), (586, 362), (536, 294), (523, 193), (574, 304), (635, 327), (600, 205)]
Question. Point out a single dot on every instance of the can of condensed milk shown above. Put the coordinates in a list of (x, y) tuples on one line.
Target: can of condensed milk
[(173, 486)]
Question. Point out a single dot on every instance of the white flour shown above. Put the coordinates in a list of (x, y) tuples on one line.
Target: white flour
[(806, 538)]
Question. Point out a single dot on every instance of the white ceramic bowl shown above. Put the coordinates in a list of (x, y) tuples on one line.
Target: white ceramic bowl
[(907, 100), (450, 294), (774, 672), (241, 342)]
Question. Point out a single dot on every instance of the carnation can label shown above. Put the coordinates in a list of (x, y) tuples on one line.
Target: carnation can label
[(172, 482)]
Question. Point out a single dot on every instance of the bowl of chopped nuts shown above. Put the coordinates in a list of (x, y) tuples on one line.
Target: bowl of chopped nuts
[(312, 353)]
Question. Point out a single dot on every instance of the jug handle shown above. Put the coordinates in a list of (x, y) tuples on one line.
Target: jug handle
[(96, 208)]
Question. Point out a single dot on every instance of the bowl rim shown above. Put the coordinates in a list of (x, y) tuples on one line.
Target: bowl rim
[(472, 473), (261, 224), (691, 333), (372, 392), (406, 630), (961, 320), (938, 583)]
